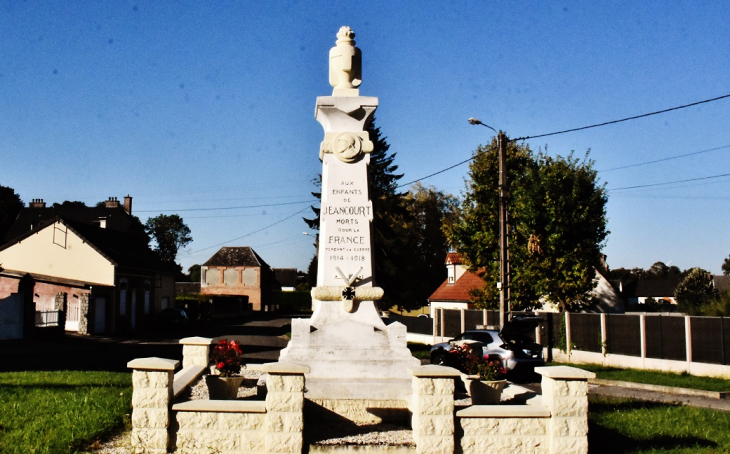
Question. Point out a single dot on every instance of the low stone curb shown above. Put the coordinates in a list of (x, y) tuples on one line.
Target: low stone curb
[(662, 389)]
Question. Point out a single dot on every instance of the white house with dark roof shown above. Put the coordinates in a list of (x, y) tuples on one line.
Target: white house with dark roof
[(105, 280)]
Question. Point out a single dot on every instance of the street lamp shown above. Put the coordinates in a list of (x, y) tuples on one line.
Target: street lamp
[(503, 252)]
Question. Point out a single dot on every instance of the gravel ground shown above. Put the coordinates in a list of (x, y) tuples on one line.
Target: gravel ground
[(350, 434), (122, 444)]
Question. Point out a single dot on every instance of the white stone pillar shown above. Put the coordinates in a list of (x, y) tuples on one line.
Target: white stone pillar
[(604, 334), (565, 393), (432, 408), (196, 351), (284, 407), (642, 334), (152, 380), (688, 341), (568, 341)]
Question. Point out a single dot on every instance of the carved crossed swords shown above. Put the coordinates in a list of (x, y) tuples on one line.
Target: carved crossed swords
[(348, 293)]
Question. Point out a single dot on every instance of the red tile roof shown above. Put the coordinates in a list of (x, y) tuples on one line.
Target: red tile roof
[(453, 258), (458, 291)]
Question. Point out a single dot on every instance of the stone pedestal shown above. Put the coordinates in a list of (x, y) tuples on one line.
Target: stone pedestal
[(565, 393), (349, 350), (152, 379)]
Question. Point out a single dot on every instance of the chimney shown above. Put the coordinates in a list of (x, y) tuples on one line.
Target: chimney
[(128, 204), (112, 203), (37, 203)]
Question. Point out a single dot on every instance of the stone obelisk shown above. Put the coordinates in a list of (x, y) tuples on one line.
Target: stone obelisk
[(349, 350)]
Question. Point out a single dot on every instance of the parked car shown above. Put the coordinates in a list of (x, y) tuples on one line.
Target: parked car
[(172, 317), (512, 346)]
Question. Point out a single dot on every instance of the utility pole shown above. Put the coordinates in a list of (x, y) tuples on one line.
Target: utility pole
[(503, 283), (503, 253)]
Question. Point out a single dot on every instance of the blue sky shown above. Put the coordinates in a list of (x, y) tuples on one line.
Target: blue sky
[(191, 106)]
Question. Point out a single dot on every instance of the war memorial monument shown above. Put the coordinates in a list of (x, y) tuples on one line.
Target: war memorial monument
[(349, 350), (344, 364)]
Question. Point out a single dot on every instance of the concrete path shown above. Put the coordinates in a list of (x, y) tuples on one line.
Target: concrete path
[(668, 395)]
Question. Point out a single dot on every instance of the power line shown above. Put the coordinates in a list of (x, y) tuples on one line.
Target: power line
[(582, 128), (244, 236), (671, 182), (623, 119), (665, 159), (227, 208), (448, 168)]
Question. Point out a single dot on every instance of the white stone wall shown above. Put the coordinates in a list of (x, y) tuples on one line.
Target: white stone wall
[(432, 408), (152, 381), (205, 432), (205, 426), (558, 426), (503, 435), (284, 413), (568, 404), (196, 351)]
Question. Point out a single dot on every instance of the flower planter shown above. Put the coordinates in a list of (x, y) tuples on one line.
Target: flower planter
[(222, 388), (483, 392)]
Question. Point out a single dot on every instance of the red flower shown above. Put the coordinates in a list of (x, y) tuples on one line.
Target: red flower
[(220, 366)]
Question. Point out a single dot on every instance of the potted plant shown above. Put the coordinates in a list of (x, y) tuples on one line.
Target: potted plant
[(224, 380), (483, 377)]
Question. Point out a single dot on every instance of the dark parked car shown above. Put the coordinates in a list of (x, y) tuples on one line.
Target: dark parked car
[(512, 345), (172, 317)]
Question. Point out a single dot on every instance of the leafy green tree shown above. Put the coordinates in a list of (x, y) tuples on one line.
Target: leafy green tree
[(726, 266), (312, 272), (557, 226), (719, 306), (169, 233), (72, 204), (194, 273), (695, 292), (626, 274), (421, 257), (10, 206)]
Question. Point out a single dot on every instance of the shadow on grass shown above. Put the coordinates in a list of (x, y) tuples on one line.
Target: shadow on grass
[(600, 404), (604, 440)]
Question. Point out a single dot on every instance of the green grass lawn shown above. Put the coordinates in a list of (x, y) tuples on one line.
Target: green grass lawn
[(654, 378), (64, 411), (628, 426), (420, 351)]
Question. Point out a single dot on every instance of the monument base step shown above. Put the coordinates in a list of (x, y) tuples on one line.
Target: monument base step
[(362, 449), (358, 411), (357, 388)]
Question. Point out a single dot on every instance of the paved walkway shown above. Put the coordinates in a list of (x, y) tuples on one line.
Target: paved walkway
[(675, 396)]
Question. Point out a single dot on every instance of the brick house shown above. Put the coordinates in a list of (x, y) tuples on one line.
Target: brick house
[(238, 280), (92, 263)]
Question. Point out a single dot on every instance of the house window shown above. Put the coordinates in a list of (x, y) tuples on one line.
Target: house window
[(230, 276), (249, 276), (213, 276), (165, 302), (60, 236)]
